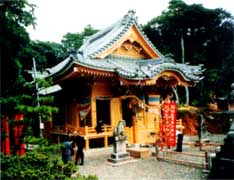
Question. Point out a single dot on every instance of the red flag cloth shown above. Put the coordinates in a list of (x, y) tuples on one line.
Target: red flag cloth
[(168, 126)]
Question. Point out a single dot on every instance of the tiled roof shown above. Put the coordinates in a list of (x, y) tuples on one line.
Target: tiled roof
[(143, 69), (107, 37), (128, 68), (134, 69)]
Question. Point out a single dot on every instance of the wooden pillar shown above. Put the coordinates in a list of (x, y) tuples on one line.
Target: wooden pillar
[(116, 111), (105, 137), (87, 143), (135, 130), (93, 112), (18, 129), (105, 141), (86, 138)]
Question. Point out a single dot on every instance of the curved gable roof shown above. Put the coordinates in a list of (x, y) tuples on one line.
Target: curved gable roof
[(98, 54), (108, 37)]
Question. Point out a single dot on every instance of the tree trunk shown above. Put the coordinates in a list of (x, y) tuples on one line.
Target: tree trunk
[(176, 95), (183, 61), (187, 95)]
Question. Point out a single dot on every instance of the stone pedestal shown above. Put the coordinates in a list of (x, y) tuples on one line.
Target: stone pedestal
[(119, 155)]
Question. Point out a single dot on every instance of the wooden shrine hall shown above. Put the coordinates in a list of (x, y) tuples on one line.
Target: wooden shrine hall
[(117, 74)]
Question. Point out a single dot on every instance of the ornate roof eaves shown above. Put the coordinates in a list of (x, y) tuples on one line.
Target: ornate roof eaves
[(95, 67), (159, 69), (61, 67)]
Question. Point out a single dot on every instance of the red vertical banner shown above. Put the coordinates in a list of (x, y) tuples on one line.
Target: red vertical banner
[(18, 128), (169, 123), (5, 140)]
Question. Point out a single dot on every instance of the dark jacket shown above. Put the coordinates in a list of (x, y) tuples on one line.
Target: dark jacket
[(80, 142)]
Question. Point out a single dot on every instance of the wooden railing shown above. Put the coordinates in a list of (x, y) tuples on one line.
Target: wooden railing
[(90, 133), (107, 131)]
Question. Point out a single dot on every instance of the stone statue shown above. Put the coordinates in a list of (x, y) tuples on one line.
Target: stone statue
[(120, 153), (119, 137), (118, 132)]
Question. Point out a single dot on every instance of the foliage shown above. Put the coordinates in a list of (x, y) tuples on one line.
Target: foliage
[(71, 42), (46, 54), (35, 140), (89, 177), (43, 163), (28, 103), (15, 16), (208, 39), (17, 53)]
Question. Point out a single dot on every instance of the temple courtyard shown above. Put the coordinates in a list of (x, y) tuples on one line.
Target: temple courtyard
[(148, 167)]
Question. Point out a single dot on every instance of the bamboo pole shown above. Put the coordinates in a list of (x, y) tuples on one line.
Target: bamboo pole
[(184, 153)]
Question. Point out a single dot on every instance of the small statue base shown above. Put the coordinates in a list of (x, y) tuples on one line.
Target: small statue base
[(120, 155), (118, 159)]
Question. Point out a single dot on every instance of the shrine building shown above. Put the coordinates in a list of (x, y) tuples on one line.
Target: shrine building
[(117, 74)]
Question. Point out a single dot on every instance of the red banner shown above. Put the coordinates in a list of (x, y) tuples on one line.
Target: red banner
[(168, 124)]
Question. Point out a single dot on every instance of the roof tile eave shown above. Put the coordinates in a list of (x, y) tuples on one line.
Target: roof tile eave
[(61, 67), (95, 67)]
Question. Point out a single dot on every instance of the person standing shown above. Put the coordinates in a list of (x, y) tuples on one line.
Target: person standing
[(80, 143), (67, 150), (179, 141)]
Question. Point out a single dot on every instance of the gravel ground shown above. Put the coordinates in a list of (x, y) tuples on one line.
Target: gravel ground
[(147, 168), (142, 169)]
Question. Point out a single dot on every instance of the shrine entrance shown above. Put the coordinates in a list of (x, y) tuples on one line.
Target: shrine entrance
[(103, 110), (127, 112)]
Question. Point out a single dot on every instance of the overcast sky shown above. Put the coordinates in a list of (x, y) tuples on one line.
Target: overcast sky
[(55, 18)]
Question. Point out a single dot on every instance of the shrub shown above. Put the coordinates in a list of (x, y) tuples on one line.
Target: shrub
[(42, 163)]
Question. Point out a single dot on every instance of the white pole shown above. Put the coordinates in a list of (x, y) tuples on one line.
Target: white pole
[(41, 127)]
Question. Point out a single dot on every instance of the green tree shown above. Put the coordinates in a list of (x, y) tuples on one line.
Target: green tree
[(201, 30), (14, 17), (72, 41), (46, 54), (17, 95)]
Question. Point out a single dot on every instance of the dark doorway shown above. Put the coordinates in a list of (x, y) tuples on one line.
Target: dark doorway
[(103, 110), (127, 112)]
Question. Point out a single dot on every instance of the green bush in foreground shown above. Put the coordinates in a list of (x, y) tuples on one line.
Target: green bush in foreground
[(38, 164)]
